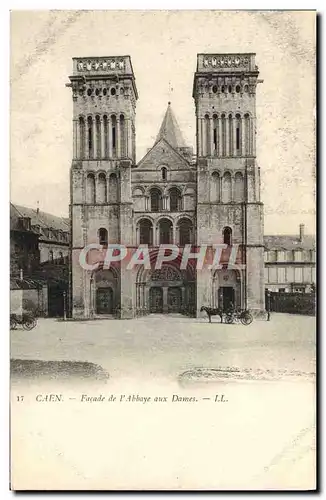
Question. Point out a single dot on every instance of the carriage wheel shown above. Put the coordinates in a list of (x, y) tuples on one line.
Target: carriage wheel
[(29, 323), (229, 319), (13, 324), (246, 319)]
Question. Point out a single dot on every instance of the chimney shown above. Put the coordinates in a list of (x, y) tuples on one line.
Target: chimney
[(38, 207), (301, 232)]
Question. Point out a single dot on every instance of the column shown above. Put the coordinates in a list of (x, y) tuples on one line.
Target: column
[(110, 136), (156, 240), (129, 139), (243, 136), (75, 138), (234, 131), (118, 139), (227, 138), (232, 188), (203, 137), (183, 296), (102, 138), (199, 138), (137, 236), (94, 138), (253, 135), (174, 235), (249, 136), (165, 299), (220, 137)]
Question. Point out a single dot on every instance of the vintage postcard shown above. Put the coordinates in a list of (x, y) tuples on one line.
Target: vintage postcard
[(163, 250)]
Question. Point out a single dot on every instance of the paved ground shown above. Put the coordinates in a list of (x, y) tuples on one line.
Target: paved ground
[(262, 438), (166, 345)]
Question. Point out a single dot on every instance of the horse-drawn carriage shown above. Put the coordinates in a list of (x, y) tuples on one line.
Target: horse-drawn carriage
[(229, 316)]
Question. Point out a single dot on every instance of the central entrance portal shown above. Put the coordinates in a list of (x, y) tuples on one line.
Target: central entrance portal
[(156, 299), (165, 290)]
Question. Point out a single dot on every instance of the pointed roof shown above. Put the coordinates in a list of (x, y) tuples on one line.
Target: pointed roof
[(170, 130)]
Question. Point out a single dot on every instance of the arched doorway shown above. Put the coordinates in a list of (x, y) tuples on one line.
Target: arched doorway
[(227, 289), (105, 294)]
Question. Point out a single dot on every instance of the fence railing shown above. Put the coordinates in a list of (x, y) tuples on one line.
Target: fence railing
[(295, 303)]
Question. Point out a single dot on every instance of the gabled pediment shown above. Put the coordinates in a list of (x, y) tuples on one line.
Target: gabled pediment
[(162, 153)]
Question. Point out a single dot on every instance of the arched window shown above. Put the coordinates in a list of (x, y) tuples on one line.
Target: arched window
[(164, 173), (223, 124), (237, 134), (98, 136), (185, 232), (113, 189), (166, 231), (103, 236), (81, 137), (156, 200), (175, 200), (114, 135), (227, 236), (51, 255), (230, 123), (215, 135), (61, 259), (226, 188), (106, 143), (90, 137), (123, 135), (145, 232), (215, 187), (101, 191), (90, 189), (207, 135), (239, 194)]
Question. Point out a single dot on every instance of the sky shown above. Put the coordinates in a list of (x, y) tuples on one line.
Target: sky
[(163, 46)]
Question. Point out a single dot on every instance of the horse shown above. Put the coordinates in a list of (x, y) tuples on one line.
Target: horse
[(212, 312)]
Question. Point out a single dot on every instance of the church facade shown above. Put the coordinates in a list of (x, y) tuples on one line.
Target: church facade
[(193, 206)]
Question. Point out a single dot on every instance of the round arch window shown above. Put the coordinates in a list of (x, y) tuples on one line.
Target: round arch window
[(89, 92), (97, 92), (104, 91), (113, 91), (214, 89), (237, 89)]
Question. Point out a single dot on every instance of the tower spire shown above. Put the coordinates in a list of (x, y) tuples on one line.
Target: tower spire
[(170, 130)]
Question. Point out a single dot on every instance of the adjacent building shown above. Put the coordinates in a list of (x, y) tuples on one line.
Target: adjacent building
[(39, 259), (290, 262)]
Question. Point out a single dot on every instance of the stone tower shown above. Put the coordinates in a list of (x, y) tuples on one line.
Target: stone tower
[(104, 103), (229, 209)]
